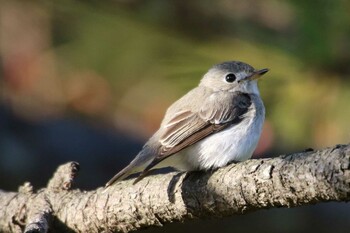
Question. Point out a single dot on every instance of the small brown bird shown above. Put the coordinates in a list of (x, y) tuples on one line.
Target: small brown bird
[(217, 122)]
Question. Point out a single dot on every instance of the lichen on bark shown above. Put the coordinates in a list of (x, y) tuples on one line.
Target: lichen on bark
[(308, 177)]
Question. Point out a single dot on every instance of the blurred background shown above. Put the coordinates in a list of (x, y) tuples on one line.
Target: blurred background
[(89, 81)]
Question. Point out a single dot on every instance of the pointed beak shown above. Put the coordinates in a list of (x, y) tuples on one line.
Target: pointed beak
[(261, 72), (258, 74)]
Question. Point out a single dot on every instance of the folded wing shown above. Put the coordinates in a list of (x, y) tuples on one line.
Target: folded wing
[(187, 127)]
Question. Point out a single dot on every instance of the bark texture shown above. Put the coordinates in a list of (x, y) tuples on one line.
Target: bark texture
[(292, 180)]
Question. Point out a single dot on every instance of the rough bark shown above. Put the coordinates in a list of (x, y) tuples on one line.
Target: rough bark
[(292, 180)]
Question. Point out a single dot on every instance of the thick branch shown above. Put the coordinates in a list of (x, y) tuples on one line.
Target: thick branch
[(39, 214), (286, 181)]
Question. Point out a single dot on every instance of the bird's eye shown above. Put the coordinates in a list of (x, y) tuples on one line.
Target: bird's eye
[(230, 78)]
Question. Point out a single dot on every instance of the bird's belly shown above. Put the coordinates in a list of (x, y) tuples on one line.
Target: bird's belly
[(236, 143)]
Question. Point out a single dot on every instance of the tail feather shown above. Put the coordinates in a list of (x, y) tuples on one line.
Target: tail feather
[(128, 170), (139, 164), (141, 176)]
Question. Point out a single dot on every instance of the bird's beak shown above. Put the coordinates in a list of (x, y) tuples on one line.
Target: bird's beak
[(257, 74)]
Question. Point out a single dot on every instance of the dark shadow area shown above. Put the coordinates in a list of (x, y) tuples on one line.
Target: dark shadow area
[(32, 151), (199, 178), (59, 226), (172, 184)]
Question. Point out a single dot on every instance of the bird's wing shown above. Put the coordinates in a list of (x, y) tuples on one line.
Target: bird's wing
[(187, 127)]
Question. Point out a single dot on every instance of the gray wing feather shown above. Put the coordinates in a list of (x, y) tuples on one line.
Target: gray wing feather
[(188, 127), (184, 125)]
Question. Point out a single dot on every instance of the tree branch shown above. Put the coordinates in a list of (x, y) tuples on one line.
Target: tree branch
[(290, 180)]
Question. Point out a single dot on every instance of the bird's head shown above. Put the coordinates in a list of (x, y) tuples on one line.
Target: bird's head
[(233, 76)]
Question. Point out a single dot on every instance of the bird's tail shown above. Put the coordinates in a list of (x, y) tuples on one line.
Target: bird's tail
[(137, 165), (120, 175)]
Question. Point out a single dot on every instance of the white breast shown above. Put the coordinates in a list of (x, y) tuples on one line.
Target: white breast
[(236, 143)]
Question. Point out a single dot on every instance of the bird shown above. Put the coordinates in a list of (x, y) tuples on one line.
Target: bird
[(214, 124)]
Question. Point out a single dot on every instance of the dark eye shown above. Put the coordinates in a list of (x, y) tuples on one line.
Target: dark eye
[(230, 78)]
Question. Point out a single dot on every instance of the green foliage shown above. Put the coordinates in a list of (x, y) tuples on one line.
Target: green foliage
[(151, 52)]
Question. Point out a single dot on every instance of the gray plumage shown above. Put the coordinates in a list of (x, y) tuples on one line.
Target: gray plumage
[(218, 122)]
